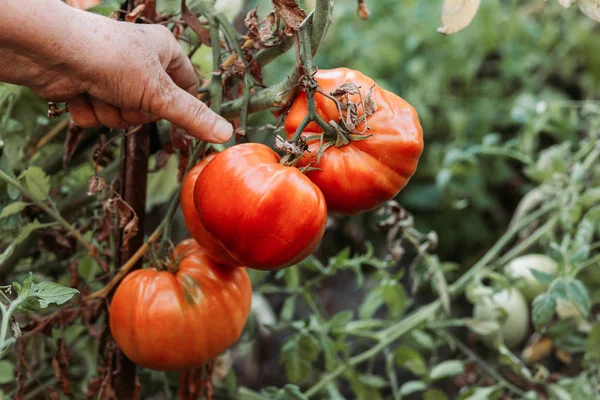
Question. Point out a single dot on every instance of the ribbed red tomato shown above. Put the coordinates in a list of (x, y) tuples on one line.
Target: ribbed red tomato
[(363, 174), (192, 220), (174, 321), (265, 214)]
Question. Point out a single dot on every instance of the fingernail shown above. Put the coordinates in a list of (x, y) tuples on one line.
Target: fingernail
[(222, 130)]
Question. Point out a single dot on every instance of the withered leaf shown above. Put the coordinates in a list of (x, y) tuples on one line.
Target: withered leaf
[(135, 13), (349, 88), (130, 231), (96, 184), (194, 23), (266, 28), (60, 365), (370, 105), (290, 12), (74, 136), (251, 22)]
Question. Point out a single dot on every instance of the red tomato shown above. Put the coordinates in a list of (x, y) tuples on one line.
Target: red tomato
[(265, 214), (192, 220), (363, 174), (174, 321)]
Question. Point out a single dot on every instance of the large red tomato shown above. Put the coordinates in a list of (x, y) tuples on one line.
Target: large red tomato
[(173, 321), (365, 173), (265, 214), (192, 220)]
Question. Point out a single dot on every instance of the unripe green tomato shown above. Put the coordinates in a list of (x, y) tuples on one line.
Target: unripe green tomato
[(515, 326), (520, 270)]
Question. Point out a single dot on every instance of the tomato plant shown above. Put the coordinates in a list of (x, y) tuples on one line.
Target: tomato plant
[(520, 269), (178, 320), (359, 173), (265, 214)]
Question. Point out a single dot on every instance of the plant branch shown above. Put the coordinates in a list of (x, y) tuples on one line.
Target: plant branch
[(51, 211), (428, 312)]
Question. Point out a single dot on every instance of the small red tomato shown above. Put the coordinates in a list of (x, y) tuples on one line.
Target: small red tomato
[(265, 214), (192, 220), (362, 174), (174, 321)]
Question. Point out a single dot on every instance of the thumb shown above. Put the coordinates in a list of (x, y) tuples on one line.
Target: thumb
[(184, 110)]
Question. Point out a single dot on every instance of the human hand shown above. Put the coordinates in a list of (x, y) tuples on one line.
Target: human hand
[(114, 73)]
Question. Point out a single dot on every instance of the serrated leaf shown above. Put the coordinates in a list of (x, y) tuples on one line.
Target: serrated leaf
[(41, 295), (446, 369), (37, 183), (13, 208), (457, 15), (411, 387), (543, 309), (411, 360), (298, 354)]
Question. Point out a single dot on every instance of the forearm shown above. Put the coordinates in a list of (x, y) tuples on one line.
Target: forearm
[(31, 30)]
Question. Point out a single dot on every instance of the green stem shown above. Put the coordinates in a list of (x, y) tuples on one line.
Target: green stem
[(51, 211), (6, 314)]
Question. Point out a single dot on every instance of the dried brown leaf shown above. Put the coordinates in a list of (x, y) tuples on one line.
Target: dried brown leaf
[(251, 22), (135, 13), (96, 184), (370, 105), (130, 230), (349, 88), (60, 365), (74, 136), (290, 12), (266, 29), (194, 23)]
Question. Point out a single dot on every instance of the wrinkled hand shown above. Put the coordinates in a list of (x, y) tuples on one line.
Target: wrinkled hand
[(116, 74)]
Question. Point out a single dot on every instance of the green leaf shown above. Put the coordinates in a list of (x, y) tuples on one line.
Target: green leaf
[(371, 304), (558, 393), (37, 183), (481, 393), (36, 296), (593, 349), (341, 319), (543, 309), (298, 355), (293, 392), (162, 184), (288, 309), (7, 372), (579, 294), (395, 298), (373, 381), (88, 268), (409, 359), (446, 369), (542, 277), (411, 387), (435, 394), (13, 208)]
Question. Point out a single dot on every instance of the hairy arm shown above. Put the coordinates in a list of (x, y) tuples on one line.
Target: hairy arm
[(110, 72)]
